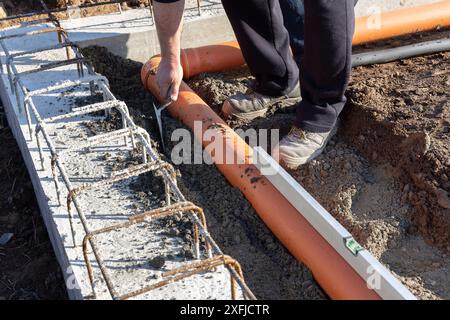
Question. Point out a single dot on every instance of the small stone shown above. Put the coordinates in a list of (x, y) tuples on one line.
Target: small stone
[(158, 262), (431, 282), (174, 232), (443, 198), (188, 254), (154, 276), (436, 265), (374, 156)]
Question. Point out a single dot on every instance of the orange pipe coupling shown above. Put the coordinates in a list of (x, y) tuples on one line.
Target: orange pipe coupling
[(330, 270)]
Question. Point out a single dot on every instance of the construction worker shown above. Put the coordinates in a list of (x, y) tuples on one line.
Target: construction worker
[(258, 25)]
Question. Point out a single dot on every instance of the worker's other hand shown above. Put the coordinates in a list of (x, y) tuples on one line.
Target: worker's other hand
[(168, 79)]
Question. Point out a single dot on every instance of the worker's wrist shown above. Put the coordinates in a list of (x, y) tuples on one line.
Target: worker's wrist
[(171, 59)]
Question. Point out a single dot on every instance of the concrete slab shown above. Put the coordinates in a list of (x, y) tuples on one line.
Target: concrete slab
[(126, 252)]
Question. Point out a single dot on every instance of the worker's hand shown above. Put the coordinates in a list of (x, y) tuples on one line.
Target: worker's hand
[(168, 79)]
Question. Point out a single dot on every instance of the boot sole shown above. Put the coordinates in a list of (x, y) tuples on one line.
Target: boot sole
[(229, 111)]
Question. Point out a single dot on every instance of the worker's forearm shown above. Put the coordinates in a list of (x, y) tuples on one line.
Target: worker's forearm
[(168, 18)]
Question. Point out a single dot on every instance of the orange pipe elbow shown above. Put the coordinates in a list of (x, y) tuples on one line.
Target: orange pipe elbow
[(401, 22), (330, 270)]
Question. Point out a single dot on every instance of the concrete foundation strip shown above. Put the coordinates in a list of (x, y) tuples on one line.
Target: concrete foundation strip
[(173, 210), (167, 172), (123, 175)]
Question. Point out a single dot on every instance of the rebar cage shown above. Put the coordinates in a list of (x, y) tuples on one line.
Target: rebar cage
[(176, 203)]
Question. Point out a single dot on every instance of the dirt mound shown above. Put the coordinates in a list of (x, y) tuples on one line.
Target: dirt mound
[(29, 269), (399, 113)]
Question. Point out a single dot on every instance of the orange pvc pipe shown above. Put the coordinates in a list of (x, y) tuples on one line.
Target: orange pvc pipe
[(330, 270), (213, 58), (395, 23)]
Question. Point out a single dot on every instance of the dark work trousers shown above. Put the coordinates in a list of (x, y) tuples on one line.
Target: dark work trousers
[(294, 21), (326, 62)]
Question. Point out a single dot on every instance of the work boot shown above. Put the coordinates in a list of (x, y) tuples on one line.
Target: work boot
[(300, 147), (250, 106)]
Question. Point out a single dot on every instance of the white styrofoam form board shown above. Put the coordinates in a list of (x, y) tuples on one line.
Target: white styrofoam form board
[(329, 228), (138, 243)]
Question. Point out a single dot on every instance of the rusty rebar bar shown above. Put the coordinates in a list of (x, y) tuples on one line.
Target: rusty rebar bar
[(183, 207), (190, 270)]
